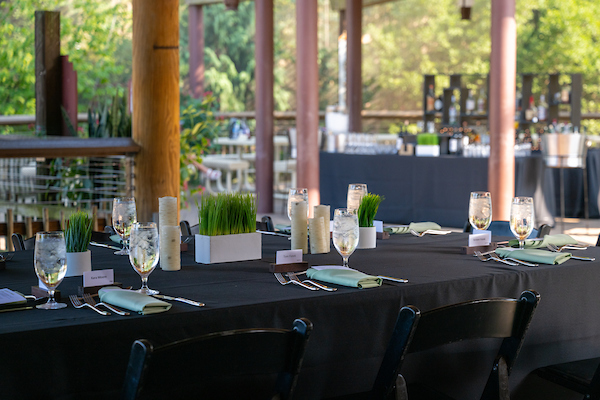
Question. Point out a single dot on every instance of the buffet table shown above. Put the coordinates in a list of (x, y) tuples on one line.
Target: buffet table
[(437, 188), (76, 353)]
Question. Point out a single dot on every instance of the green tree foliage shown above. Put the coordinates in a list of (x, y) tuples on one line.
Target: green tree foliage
[(96, 35)]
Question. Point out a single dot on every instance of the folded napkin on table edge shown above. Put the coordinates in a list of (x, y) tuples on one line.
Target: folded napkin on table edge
[(415, 226), (343, 276), (557, 240), (534, 255), (133, 301)]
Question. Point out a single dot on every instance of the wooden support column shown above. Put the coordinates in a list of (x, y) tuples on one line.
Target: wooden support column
[(503, 70), (69, 94), (48, 73), (354, 64), (264, 104), (196, 44), (155, 102), (307, 99)]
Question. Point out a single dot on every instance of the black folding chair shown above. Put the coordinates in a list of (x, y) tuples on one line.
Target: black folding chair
[(22, 244), (486, 318), (244, 364), (187, 230)]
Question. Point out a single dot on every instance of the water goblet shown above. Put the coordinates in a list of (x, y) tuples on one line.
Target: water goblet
[(345, 232), (50, 261), (356, 192), (144, 252), (296, 195), (521, 218), (123, 217), (480, 210)]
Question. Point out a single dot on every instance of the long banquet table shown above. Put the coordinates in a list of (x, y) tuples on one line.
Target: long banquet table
[(71, 353)]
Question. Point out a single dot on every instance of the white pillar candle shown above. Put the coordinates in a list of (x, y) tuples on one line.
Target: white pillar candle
[(322, 211), (167, 211), (170, 247), (300, 226), (316, 227)]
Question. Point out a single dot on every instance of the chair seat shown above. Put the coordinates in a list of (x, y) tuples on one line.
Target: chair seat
[(575, 375)]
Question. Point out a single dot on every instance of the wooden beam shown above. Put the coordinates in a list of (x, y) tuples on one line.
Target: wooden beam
[(264, 104), (15, 146), (155, 102), (354, 64), (48, 73)]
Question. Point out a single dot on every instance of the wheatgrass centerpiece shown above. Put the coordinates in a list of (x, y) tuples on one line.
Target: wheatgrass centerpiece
[(367, 211), (78, 234), (227, 229)]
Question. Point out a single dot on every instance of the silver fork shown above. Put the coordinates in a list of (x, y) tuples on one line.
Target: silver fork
[(497, 257), (555, 249), (78, 304), (293, 276), (90, 300), (417, 234), (483, 258), (284, 281)]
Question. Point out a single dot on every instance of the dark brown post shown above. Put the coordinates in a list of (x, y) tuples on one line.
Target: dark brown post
[(69, 94), (155, 102), (264, 104), (196, 43), (307, 99), (48, 118), (503, 70), (354, 64)]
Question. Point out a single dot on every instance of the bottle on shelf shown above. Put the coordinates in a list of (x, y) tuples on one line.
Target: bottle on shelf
[(531, 111), (438, 104), (453, 112), (542, 109), (470, 103), (431, 99), (481, 102)]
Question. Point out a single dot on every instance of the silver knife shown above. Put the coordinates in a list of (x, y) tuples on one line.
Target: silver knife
[(105, 245), (181, 299)]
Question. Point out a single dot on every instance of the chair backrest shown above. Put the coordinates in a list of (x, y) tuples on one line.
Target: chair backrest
[(187, 230), (247, 363), (502, 228), (22, 244), (486, 318)]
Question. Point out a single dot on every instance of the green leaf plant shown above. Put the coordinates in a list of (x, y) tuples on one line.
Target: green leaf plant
[(227, 214), (78, 232), (368, 209)]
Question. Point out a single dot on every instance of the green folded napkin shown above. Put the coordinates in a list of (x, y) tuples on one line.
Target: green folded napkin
[(116, 239), (415, 226), (534, 255), (557, 240), (343, 276), (133, 301)]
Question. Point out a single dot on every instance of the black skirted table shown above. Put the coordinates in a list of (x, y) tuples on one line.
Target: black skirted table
[(72, 353), (437, 188)]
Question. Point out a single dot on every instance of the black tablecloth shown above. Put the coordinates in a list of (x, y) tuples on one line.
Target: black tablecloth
[(437, 188), (69, 353)]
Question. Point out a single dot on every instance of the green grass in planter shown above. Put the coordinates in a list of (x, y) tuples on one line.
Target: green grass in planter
[(368, 209), (227, 214), (78, 233)]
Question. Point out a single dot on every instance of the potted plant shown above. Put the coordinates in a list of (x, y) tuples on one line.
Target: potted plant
[(78, 234), (227, 229), (367, 210)]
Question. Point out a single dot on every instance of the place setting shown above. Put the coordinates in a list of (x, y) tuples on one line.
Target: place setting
[(523, 250)]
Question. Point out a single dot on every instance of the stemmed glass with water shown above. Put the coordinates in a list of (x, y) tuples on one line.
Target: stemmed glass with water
[(345, 232), (123, 217), (144, 252), (50, 261), (480, 210), (521, 218), (356, 191)]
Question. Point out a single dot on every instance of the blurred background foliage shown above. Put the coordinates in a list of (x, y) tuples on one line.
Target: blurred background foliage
[(402, 40)]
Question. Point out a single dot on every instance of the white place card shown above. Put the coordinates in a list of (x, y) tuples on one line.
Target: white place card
[(41, 285), (378, 226), (101, 277), (8, 296), (288, 256), (480, 239)]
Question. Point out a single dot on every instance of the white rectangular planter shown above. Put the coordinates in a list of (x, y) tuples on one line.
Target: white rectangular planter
[(227, 248), (427, 150)]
